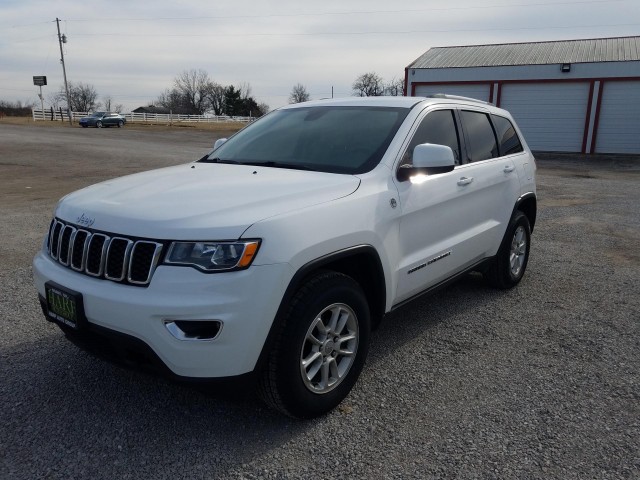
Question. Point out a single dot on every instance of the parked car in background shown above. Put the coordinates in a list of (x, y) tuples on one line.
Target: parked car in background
[(103, 119)]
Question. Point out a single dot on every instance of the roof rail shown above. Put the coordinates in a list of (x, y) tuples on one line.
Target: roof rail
[(458, 97)]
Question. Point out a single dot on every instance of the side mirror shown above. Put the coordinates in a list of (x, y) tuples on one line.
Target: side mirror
[(219, 142), (429, 159)]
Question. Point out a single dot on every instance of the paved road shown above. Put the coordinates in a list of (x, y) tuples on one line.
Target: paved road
[(538, 382)]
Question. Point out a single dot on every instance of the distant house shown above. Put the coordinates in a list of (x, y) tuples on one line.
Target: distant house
[(152, 109), (570, 95)]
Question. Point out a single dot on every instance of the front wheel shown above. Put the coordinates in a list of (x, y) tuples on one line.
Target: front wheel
[(321, 348), (120, 123), (99, 124), (511, 261)]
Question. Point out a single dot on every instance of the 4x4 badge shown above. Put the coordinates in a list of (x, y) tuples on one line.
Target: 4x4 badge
[(393, 203)]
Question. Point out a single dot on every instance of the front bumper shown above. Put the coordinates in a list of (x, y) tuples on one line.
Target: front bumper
[(245, 302)]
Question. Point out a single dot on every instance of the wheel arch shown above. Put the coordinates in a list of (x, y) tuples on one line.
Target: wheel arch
[(528, 204), (362, 263)]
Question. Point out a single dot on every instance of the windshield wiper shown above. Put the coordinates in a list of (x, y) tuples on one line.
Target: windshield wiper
[(219, 160), (293, 166)]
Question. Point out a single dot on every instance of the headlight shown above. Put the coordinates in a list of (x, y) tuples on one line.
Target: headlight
[(213, 256)]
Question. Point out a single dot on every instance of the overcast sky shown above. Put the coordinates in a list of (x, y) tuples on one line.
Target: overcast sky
[(132, 50)]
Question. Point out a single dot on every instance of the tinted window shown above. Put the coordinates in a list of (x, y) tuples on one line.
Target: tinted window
[(328, 139), (507, 136), (481, 141), (438, 127)]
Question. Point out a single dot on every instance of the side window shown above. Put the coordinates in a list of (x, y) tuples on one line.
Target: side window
[(507, 136), (481, 140), (437, 127)]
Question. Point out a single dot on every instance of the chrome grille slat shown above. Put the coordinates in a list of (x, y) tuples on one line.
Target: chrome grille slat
[(55, 239), (65, 244), (96, 252), (50, 235), (117, 261), (115, 258), (153, 255), (79, 248)]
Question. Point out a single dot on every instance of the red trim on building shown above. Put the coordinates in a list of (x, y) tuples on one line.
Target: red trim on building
[(596, 120), (587, 120)]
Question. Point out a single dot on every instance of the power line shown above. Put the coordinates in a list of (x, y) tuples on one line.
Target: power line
[(353, 12), (31, 24), (396, 32)]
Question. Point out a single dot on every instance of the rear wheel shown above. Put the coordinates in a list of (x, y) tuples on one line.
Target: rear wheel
[(321, 348), (511, 261)]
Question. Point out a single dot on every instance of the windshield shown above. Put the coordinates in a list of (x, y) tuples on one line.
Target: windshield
[(328, 139)]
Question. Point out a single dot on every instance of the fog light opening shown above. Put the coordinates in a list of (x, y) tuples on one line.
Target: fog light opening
[(194, 330)]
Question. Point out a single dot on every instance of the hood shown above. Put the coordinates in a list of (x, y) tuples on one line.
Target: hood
[(199, 201)]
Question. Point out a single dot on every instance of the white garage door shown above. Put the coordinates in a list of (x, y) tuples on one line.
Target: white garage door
[(619, 125), (479, 91), (550, 115)]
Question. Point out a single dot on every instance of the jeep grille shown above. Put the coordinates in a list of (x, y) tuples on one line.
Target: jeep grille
[(112, 257)]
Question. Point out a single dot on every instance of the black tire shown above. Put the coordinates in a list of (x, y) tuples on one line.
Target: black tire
[(120, 123), (98, 124), (84, 126), (282, 384), (509, 265)]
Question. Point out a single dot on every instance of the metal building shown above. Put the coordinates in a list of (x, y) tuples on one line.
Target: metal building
[(567, 96)]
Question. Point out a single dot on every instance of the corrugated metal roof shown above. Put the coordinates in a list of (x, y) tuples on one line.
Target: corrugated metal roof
[(618, 49)]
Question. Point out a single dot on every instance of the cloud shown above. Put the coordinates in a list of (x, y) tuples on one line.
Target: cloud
[(133, 50)]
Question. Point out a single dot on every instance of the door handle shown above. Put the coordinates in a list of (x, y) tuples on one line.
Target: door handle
[(465, 181), (509, 169)]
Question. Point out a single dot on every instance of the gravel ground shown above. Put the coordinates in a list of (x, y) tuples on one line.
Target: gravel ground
[(538, 382)]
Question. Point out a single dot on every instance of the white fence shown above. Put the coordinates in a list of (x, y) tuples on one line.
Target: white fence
[(142, 117)]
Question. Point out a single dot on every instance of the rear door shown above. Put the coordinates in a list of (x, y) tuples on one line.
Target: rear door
[(492, 184)]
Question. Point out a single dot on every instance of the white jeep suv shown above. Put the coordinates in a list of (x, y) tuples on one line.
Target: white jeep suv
[(276, 255)]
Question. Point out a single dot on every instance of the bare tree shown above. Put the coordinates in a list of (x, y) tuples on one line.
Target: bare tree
[(172, 100), (299, 94), (82, 97), (368, 85), (245, 90), (193, 92), (193, 86), (263, 108), (109, 106), (215, 96), (54, 100), (395, 87), (16, 109)]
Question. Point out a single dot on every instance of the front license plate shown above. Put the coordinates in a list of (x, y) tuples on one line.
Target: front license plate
[(64, 306)]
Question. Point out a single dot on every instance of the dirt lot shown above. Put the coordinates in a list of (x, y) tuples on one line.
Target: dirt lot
[(542, 381)]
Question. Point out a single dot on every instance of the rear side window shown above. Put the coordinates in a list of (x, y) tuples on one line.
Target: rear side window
[(507, 136), (481, 141), (438, 127)]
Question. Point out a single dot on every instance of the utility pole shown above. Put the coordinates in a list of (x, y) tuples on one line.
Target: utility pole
[(63, 39)]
